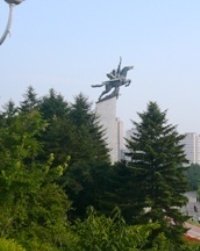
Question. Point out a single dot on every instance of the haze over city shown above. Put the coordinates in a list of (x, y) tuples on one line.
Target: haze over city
[(69, 45)]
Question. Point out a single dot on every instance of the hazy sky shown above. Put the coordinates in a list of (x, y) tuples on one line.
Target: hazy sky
[(69, 45)]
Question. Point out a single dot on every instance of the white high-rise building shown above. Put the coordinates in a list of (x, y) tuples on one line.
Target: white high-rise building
[(125, 150), (192, 147)]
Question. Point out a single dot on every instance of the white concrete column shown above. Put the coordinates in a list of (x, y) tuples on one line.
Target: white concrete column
[(106, 112)]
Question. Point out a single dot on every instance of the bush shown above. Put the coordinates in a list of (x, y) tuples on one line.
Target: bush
[(10, 245)]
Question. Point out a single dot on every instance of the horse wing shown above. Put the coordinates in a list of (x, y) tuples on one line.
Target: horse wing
[(124, 71)]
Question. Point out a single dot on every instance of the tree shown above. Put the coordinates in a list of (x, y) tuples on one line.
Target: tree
[(87, 139), (156, 157), (33, 206), (87, 184), (193, 176), (98, 232), (53, 106), (88, 152), (72, 130), (9, 109), (121, 191), (57, 138), (10, 245), (30, 101), (8, 114)]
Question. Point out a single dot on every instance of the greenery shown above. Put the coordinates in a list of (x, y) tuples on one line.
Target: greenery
[(10, 245), (156, 158), (59, 192), (112, 233), (193, 176)]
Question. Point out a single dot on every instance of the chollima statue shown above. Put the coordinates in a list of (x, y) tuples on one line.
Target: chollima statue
[(116, 78)]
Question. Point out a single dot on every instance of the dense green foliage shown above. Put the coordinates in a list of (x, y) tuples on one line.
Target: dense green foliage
[(54, 165), (105, 233), (10, 245), (87, 139), (74, 136), (156, 157), (32, 205), (193, 176), (72, 130)]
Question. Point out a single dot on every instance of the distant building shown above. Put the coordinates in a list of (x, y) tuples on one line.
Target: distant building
[(120, 139), (125, 150), (192, 147), (191, 144)]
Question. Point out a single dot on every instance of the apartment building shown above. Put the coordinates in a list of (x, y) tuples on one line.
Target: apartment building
[(192, 147)]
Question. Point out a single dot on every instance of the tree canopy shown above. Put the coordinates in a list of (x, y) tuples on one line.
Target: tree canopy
[(54, 165), (157, 157)]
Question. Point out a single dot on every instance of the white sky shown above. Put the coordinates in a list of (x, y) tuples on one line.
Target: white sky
[(69, 45)]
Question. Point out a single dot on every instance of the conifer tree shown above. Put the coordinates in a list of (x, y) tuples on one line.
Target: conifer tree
[(88, 143), (156, 157), (30, 101), (53, 106), (88, 154), (8, 114), (72, 129), (9, 109), (56, 139)]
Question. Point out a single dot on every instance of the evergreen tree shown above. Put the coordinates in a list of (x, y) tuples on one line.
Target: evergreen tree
[(30, 101), (88, 143), (53, 106), (87, 184), (57, 138), (121, 191), (156, 156), (89, 156), (8, 114), (9, 109), (193, 176), (72, 130)]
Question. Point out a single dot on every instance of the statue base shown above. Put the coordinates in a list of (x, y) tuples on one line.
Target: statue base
[(112, 126)]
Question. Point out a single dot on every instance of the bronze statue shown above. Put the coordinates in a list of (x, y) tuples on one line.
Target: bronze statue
[(14, 1), (117, 78)]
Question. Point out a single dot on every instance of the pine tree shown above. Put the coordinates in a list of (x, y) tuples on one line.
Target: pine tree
[(8, 114), (30, 101), (88, 154), (10, 109), (156, 157), (57, 138), (88, 143), (73, 133), (53, 106), (72, 130)]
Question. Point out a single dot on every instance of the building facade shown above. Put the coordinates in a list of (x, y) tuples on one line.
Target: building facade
[(192, 147)]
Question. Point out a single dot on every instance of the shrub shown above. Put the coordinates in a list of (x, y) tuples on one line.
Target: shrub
[(10, 245)]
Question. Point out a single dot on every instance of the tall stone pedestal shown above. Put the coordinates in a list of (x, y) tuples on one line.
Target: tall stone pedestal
[(113, 127)]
